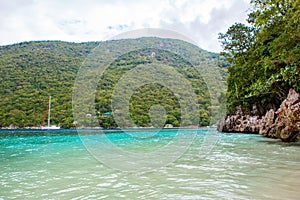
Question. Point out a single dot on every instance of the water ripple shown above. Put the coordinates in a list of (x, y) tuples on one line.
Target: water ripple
[(237, 167)]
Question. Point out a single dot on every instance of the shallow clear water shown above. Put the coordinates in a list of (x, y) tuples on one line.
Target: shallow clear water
[(61, 165)]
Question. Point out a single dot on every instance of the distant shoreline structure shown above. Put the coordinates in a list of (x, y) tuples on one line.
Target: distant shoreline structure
[(100, 128)]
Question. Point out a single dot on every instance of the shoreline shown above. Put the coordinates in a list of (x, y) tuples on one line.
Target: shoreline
[(101, 129)]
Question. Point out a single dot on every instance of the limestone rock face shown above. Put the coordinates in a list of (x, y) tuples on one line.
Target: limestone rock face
[(283, 124), (285, 121), (267, 122), (240, 122)]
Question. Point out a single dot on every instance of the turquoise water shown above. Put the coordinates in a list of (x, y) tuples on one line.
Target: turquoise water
[(64, 165)]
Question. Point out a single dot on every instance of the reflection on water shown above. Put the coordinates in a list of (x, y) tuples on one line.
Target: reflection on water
[(56, 165)]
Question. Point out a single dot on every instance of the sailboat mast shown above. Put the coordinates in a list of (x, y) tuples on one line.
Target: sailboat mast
[(49, 110)]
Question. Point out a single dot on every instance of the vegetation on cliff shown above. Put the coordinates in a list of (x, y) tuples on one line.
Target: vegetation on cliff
[(265, 55)]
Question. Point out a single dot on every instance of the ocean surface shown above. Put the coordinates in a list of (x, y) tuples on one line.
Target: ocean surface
[(146, 164)]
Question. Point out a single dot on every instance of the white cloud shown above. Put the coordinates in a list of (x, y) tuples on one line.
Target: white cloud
[(94, 20)]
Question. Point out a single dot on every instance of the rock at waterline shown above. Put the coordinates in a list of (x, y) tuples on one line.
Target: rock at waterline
[(283, 124)]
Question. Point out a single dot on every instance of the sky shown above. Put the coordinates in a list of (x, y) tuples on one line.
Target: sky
[(99, 20)]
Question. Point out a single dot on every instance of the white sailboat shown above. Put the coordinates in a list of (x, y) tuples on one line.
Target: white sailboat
[(49, 126)]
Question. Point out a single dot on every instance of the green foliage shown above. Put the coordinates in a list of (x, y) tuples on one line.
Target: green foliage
[(32, 71), (237, 40), (150, 95), (265, 56)]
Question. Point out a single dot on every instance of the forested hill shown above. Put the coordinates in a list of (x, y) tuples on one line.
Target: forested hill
[(32, 71)]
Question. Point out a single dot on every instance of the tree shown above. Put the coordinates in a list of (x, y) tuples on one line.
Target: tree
[(237, 40), (264, 55)]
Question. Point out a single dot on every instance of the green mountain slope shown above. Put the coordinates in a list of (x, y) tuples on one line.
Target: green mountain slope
[(32, 71)]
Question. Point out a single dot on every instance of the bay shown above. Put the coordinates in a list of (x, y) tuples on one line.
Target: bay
[(209, 165)]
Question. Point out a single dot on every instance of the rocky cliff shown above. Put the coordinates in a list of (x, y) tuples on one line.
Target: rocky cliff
[(284, 123)]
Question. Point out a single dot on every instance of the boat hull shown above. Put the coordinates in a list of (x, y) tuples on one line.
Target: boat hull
[(50, 127)]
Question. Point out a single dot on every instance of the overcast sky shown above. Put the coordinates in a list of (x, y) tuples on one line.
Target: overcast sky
[(97, 20)]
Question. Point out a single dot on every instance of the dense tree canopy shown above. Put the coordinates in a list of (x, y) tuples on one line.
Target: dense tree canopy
[(32, 71), (265, 55)]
